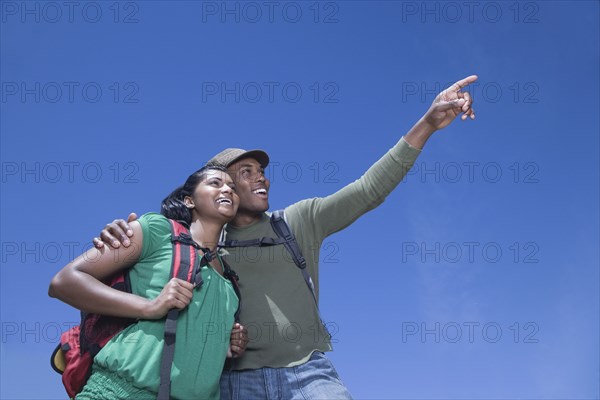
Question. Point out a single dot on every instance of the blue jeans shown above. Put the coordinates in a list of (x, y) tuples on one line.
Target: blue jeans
[(316, 379)]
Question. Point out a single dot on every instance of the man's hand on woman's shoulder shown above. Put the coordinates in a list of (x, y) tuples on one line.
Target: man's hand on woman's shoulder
[(116, 233)]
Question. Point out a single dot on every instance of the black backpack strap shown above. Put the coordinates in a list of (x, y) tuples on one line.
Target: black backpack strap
[(264, 241), (285, 237), (185, 265), (282, 230), (230, 274)]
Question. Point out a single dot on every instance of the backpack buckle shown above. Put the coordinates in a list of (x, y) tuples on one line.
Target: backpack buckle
[(208, 255), (197, 279)]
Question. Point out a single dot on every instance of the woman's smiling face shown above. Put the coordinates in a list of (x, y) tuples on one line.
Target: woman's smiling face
[(215, 197)]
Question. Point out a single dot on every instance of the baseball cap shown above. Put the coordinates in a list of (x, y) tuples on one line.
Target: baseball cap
[(232, 155)]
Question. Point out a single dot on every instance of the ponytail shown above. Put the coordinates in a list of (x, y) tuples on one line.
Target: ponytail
[(173, 206)]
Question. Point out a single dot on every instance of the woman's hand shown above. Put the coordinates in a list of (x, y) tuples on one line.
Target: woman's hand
[(238, 341), (177, 293)]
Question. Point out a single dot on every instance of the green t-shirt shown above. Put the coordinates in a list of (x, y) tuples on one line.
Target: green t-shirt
[(203, 327), (277, 307)]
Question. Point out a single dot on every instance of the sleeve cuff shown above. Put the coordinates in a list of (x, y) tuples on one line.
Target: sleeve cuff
[(410, 146)]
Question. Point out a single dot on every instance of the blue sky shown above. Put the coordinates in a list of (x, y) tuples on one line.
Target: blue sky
[(477, 277)]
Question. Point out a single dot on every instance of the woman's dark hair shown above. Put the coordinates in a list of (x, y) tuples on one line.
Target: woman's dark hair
[(173, 206)]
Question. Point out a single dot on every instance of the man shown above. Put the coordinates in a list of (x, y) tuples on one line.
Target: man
[(284, 358)]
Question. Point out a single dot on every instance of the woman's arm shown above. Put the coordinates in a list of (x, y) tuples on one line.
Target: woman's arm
[(80, 285)]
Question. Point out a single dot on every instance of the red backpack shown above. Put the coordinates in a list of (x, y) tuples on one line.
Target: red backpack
[(74, 355)]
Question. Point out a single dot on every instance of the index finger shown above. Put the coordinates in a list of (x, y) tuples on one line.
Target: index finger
[(184, 284), (98, 243), (463, 82)]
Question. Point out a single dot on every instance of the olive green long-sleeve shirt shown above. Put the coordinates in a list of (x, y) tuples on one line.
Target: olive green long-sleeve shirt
[(277, 306)]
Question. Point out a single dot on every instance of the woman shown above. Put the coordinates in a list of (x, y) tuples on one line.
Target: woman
[(128, 366)]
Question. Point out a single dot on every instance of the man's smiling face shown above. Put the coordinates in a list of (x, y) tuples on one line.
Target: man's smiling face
[(251, 185)]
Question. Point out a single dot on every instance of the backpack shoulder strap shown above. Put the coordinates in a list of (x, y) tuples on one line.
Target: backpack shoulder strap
[(283, 230), (185, 265), (230, 274), (260, 242)]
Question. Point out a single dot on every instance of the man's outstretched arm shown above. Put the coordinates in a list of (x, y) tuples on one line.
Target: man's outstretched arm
[(330, 214), (340, 209)]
